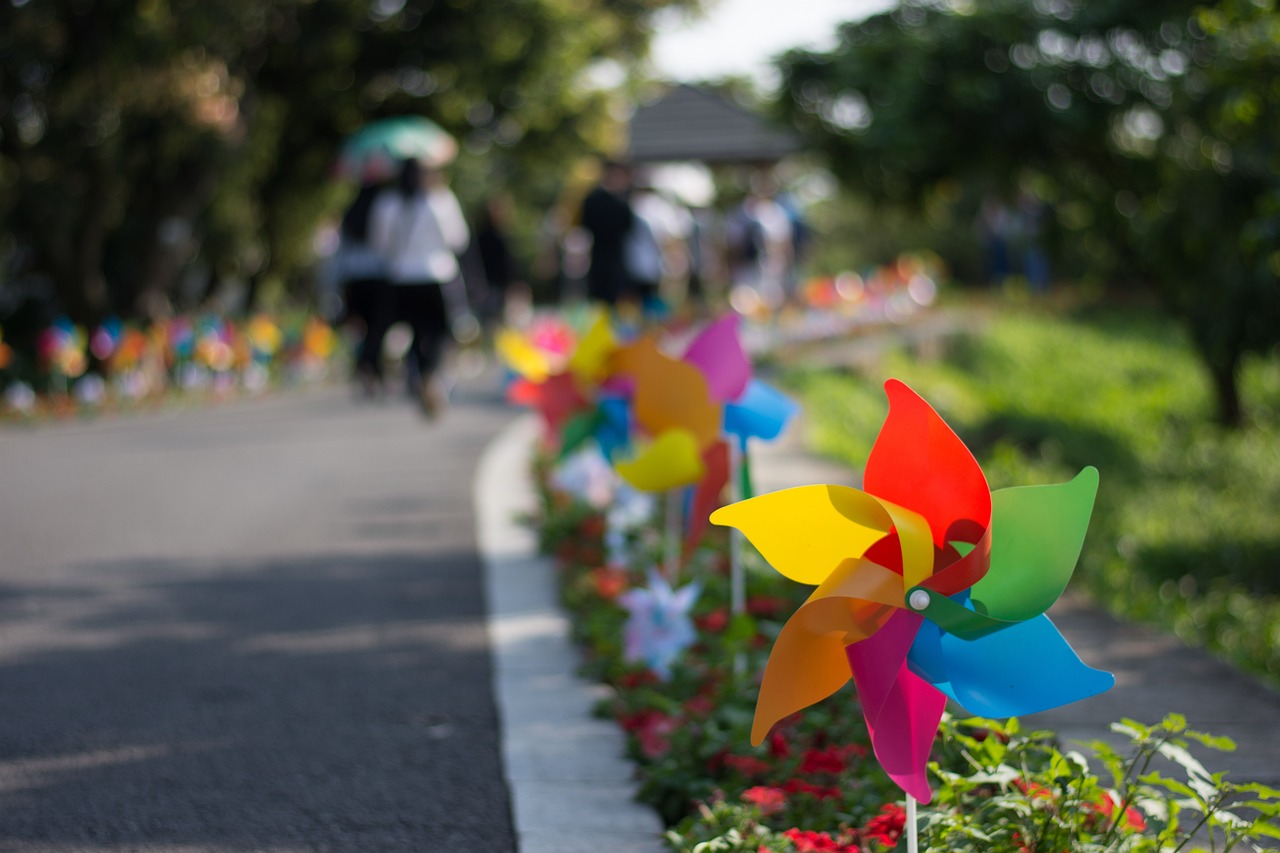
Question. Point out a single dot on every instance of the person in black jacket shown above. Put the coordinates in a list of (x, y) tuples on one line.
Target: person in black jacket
[(606, 215)]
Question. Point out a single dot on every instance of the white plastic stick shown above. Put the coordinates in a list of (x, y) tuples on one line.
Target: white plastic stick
[(913, 838), (673, 535), (737, 580)]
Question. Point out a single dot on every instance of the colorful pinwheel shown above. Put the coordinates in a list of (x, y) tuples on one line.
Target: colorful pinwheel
[(558, 376), (929, 586)]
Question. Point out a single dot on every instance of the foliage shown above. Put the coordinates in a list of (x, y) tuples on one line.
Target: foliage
[(813, 786), (1149, 130), (1021, 792), (142, 140), (1183, 533)]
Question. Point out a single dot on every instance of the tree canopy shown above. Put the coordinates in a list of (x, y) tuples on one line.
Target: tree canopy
[(1150, 129), (142, 140)]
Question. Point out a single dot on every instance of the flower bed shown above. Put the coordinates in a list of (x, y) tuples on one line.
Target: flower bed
[(814, 784)]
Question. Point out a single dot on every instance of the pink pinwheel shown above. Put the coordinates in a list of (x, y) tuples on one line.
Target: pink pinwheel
[(751, 409), (929, 586)]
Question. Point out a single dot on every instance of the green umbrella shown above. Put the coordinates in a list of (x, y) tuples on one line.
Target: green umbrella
[(375, 150)]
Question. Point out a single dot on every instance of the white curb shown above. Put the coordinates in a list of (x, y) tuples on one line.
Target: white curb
[(572, 789)]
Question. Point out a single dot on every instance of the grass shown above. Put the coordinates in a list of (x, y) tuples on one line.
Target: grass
[(1185, 530)]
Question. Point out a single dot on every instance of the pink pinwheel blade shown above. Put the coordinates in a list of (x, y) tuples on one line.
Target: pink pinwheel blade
[(718, 353), (901, 709)]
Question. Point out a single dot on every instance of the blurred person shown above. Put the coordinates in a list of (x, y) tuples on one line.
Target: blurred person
[(994, 226), (420, 231), (1026, 240), (758, 234), (607, 216), (360, 272), (656, 246), (801, 232), (496, 261)]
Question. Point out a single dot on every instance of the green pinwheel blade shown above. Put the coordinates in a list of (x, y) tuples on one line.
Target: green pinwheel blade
[(1036, 536), (576, 431)]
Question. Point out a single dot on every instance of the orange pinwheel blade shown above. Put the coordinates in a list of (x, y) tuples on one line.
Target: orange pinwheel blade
[(808, 661)]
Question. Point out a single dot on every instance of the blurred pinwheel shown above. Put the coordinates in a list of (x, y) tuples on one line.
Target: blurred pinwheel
[(213, 345), (659, 627), (374, 151), (560, 377), (929, 586), (61, 347), (179, 339), (265, 337), (318, 340), (751, 409), (672, 406), (131, 349), (105, 339)]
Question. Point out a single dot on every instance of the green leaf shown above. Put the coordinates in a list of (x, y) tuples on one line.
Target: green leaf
[(1168, 784), (1218, 742)]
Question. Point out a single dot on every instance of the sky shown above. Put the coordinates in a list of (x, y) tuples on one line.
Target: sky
[(739, 37)]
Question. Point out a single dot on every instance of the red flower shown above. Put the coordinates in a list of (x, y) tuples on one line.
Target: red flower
[(817, 842), (714, 622), (1133, 818), (778, 746), (766, 606), (592, 526), (1033, 790), (888, 825), (699, 706), (609, 582), (652, 730), (833, 759), (800, 786), (770, 800), (747, 765), (637, 679)]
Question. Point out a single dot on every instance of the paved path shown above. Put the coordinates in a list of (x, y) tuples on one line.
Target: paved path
[(258, 627)]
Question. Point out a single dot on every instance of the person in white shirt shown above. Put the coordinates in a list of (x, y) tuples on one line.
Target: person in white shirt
[(419, 229)]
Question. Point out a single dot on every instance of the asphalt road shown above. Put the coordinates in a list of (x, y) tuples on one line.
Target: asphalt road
[(255, 627)]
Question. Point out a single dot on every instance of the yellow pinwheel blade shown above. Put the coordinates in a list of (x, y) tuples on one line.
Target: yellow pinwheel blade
[(590, 361), (673, 459), (522, 357), (808, 531)]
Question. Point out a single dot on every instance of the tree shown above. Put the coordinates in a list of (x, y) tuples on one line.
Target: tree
[(139, 140), (1127, 116)]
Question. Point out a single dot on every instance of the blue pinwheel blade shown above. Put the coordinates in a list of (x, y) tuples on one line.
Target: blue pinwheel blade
[(612, 431), (1023, 669), (761, 412)]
